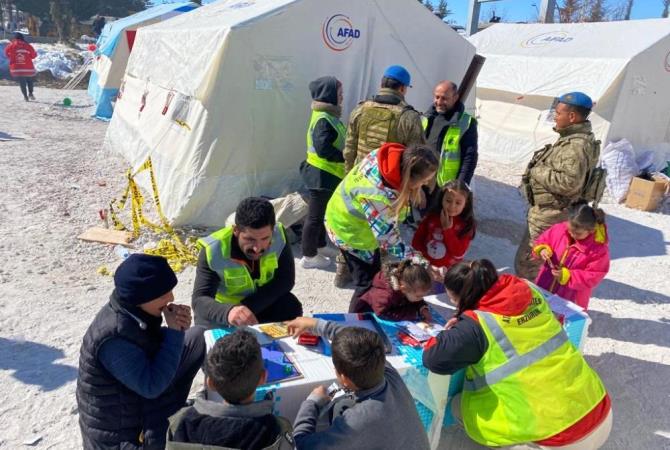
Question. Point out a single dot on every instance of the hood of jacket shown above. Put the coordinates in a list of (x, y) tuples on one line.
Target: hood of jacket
[(509, 296), (324, 90), (388, 159), (221, 424)]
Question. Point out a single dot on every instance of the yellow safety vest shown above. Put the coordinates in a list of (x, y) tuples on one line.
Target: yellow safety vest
[(333, 168), (450, 153), (531, 383), (236, 282), (344, 213)]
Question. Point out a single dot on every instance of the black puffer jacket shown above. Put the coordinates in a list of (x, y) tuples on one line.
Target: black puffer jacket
[(112, 416), (324, 96), (249, 427)]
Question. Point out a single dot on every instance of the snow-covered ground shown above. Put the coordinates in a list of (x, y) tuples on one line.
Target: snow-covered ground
[(54, 179)]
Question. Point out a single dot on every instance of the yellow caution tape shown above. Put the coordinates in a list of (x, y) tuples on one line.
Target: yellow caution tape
[(178, 253)]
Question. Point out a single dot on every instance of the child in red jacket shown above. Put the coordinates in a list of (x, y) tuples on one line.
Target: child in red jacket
[(444, 235), (575, 253), (397, 293)]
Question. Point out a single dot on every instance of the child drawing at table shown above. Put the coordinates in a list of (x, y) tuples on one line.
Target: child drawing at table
[(382, 414), (397, 293), (444, 235), (575, 253), (234, 370)]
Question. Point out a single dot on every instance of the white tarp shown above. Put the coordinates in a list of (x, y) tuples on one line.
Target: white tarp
[(623, 66), (226, 97)]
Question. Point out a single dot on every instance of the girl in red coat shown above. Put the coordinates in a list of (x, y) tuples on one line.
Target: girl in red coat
[(21, 55), (575, 253), (397, 293), (444, 235)]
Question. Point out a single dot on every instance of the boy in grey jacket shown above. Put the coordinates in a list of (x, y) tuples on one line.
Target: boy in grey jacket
[(384, 415)]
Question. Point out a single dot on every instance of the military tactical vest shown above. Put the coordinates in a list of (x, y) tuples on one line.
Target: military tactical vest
[(377, 124)]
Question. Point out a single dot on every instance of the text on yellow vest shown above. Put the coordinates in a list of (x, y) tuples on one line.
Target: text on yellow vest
[(531, 383)]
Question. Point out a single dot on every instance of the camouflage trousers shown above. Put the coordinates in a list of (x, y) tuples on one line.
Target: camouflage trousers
[(539, 220)]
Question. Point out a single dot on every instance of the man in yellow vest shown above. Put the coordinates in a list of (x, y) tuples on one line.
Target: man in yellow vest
[(246, 271), (452, 133)]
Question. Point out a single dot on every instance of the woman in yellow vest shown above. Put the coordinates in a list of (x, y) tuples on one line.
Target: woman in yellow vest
[(364, 212), (526, 385), (323, 169)]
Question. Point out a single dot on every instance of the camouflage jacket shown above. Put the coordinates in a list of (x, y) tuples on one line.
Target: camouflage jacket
[(557, 173), (406, 130)]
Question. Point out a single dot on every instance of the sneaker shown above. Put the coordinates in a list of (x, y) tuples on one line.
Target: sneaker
[(328, 252), (31, 96), (314, 262), (25, 98)]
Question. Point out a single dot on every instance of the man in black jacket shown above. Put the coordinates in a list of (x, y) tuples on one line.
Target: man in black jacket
[(134, 373), (448, 112), (246, 271)]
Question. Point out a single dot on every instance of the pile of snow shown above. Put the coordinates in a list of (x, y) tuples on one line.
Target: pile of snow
[(59, 60)]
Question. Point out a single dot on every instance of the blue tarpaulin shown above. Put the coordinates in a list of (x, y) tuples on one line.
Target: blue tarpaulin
[(112, 34)]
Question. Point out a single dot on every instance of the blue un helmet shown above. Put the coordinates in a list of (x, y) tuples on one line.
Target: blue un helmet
[(578, 99)]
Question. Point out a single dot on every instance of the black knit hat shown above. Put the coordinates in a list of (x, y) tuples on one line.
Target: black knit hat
[(142, 278)]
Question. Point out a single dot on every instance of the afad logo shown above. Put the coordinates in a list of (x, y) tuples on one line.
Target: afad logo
[(338, 33), (559, 37)]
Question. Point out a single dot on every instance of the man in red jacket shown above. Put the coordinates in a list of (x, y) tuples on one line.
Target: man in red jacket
[(21, 55)]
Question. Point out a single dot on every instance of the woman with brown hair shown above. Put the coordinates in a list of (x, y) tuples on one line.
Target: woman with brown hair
[(363, 214)]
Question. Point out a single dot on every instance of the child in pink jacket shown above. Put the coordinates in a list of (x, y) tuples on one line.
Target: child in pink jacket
[(575, 253)]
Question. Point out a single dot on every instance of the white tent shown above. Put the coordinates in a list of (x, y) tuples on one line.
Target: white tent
[(623, 66), (113, 49), (225, 95)]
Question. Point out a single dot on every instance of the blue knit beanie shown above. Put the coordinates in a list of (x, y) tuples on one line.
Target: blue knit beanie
[(142, 278)]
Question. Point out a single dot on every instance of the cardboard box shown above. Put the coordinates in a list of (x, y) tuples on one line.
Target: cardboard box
[(645, 195)]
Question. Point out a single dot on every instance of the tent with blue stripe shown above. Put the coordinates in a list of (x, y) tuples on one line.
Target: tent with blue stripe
[(113, 49)]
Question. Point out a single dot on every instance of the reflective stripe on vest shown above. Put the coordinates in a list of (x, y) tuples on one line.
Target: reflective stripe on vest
[(531, 383), (333, 168), (450, 152), (344, 214), (236, 282)]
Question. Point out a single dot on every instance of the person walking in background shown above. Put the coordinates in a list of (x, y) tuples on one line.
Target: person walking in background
[(364, 213), (323, 168), (21, 55), (575, 254)]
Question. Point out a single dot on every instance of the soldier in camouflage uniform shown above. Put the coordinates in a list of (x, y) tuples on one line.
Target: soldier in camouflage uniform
[(556, 175), (384, 118)]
